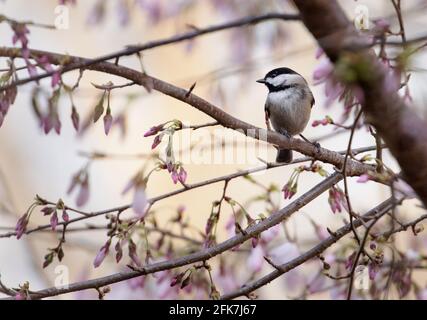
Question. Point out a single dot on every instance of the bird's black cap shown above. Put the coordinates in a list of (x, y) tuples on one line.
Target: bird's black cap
[(278, 71)]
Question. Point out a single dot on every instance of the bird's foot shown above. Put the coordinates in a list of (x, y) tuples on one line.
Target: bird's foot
[(285, 133), (315, 143)]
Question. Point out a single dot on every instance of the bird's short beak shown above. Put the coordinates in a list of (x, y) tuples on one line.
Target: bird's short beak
[(261, 81)]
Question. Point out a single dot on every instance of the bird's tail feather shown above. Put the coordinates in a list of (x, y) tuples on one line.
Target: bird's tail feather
[(284, 155)]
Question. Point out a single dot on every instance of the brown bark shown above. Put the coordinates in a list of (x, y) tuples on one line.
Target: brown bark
[(404, 132)]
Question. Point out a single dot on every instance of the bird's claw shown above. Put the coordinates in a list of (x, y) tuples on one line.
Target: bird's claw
[(316, 145), (285, 133)]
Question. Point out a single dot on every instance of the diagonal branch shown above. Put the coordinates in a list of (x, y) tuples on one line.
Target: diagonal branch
[(403, 131), (353, 168), (189, 186), (378, 211), (201, 255), (130, 50)]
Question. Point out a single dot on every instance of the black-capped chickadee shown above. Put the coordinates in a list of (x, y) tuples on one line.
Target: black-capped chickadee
[(288, 105)]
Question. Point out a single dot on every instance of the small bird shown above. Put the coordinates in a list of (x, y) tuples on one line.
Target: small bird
[(288, 105)]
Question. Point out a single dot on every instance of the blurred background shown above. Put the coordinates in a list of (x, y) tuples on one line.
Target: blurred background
[(225, 66)]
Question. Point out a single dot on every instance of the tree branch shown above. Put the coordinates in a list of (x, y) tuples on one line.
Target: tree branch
[(400, 127), (204, 254), (353, 168), (379, 210), (130, 50)]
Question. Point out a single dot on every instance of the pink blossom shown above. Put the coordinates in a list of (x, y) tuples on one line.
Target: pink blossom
[(20, 34), (337, 199), (139, 201), (156, 142), (108, 121), (323, 71), (56, 79), (255, 259), (289, 190), (54, 220), (322, 122), (21, 226), (154, 130), (363, 178), (182, 176), (175, 176), (103, 252), (254, 241), (83, 195), (284, 253), (382, 24), (20, 296), (65, 216), (52, 121), (270, 234)]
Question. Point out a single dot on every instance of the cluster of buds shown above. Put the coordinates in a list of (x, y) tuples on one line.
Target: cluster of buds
[(183, 278), (291, 187), (160, 130), (324, 122), (132, 250), (44, 63), (339, 85), (177, 172), (52, 211), (21, 225), (20, 35), (337, 199), (23, 293)]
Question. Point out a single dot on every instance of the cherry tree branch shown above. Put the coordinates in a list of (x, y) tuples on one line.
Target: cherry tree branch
[(188, 186), (378, 211), (404, 132), (353, 168), (201, 255), (135, 49)]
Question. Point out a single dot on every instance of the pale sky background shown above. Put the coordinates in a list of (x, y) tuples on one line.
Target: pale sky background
[(33, 163)]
